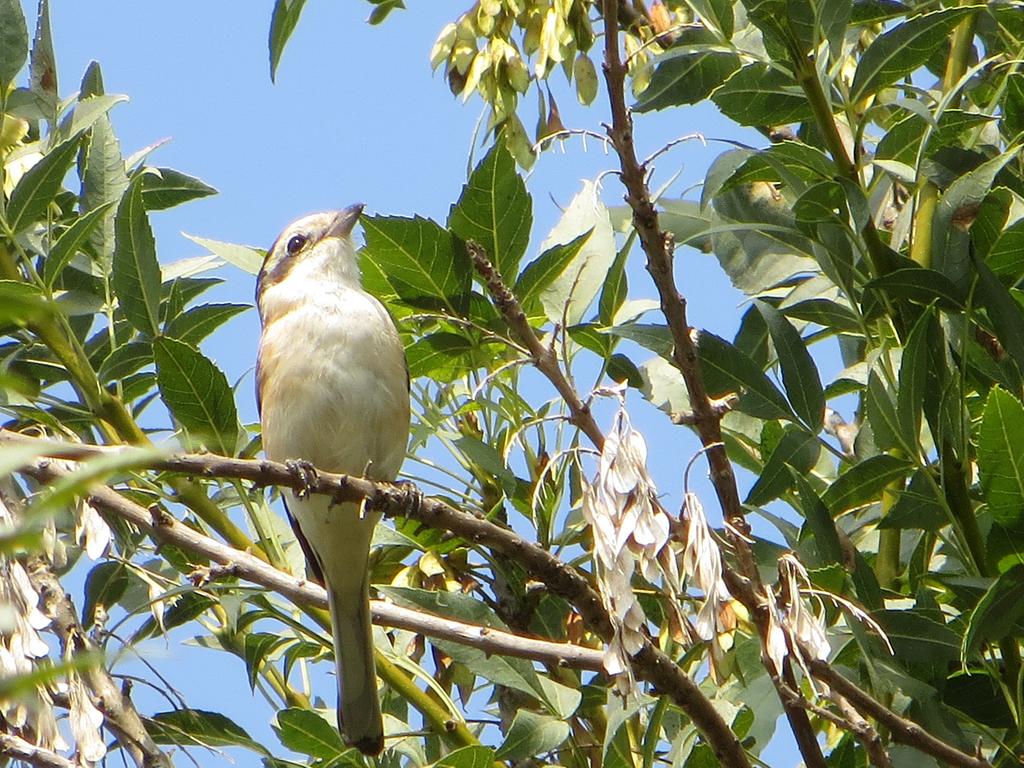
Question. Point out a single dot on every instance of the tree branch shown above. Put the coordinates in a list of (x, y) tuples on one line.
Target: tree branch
[(19, 749), (902, 730), (650, 664), (706, 418), (544, 358)]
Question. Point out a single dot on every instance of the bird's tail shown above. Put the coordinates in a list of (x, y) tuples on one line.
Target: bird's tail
[(359, 717)]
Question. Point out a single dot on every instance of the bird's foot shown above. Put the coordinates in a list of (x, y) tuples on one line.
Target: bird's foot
[(305, 473), (411, 497)]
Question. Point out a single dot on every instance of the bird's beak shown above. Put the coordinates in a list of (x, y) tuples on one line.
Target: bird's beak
[(344, 221)]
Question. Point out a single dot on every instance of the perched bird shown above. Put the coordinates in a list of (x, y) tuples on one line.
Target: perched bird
[(333, 391)]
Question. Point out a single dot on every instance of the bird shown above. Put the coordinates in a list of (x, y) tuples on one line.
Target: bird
[(332, 391)]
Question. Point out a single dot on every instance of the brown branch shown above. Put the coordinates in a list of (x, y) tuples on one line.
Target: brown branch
[(650, 664), (118, 710), (706, 418), (544, 358), (902, 730), (19, 749)]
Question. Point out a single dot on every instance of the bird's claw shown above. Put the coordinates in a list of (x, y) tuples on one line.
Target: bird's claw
[(412, 497), (305, 473)]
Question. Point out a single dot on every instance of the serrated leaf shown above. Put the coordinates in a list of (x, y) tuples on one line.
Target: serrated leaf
[(917, 506), (197, 394), (881, 411), (191, 727), (903, 49), (452, 605), (13, 41), (104, 180), (863, 483), (282, 23), (727, 369), (438, 355), (136, 271), (1006, 254), (421, 260), (687, 78), (245, 257), (758, 94), (917, 637), (40, 184), (125, 360), (42, 75), (532, 735), (799, 373), (71, 241), (1001, 457), (538, 275), (495, 210), (165, 188), (199, 322), (996, 612), (824, 312)]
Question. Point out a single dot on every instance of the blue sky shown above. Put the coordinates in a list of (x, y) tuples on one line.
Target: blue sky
[(355, 115)]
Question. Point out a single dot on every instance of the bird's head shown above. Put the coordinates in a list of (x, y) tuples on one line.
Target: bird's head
[(313, 250)]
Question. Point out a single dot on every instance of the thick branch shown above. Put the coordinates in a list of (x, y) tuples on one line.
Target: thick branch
[(902, 730), (706, 418), (650, 664), (19, 749)]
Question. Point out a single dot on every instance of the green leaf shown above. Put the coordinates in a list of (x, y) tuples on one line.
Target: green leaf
[(258, 647), (824, 312), (13, 41), (532, 735), (799, 373), (282, 24), (197, 394), (921, 286), (165, 188), (758, 94), (863, 483), (917, 506), (421, 261), (136, 273), (104, 180), (42, 75), (903, 49), (103, 588), (71, 241), (615, 289), (245, 257), (125, 360), (452, 605), (820, 522), (495, 210), (1006, 255), (1004, 311), (727, 369), (688, 72), (1013, 106), (442, 356), (540, 273), (881, 411), (40, 184), (913, 379), (796, 449), (22, 302), (919, 638), (1001, 457), (996, 613), (190, 727), (199, 322), (467, 757)]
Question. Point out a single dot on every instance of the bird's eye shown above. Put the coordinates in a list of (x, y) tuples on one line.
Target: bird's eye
[(295, 244)]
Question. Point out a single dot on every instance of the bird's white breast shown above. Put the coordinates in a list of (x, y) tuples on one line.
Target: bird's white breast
[(332, 379)]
